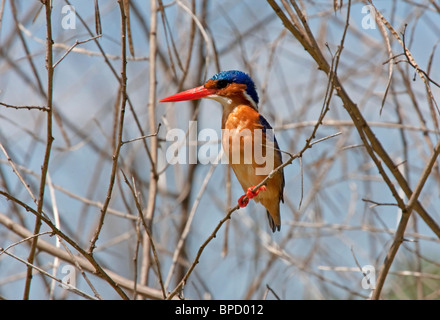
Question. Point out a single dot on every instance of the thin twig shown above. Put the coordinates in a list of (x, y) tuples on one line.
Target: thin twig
[(89, 53), (152, 192), (3, 250), (190, 218), (49, 141), (73, 47), (144, 137), (121, 117), (273, 292), (17, 172), (24, 107), (147, 230), (68, 286)]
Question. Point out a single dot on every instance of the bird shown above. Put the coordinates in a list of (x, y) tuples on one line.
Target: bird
[(236, 92)]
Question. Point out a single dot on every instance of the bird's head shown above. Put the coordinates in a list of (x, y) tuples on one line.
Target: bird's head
[(226, 87)]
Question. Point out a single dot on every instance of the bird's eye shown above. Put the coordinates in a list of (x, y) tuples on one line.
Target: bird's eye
[(222, 84)]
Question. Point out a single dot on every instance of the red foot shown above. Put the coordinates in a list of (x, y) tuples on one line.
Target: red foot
[(242, 202), (251, 194)]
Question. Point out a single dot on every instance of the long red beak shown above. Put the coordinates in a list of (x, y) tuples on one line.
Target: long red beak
[(191, 94)]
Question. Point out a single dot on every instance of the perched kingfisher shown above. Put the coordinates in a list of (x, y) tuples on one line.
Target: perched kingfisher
[(236, 91)]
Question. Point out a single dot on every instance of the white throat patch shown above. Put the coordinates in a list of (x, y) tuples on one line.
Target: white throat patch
[(227, 102)]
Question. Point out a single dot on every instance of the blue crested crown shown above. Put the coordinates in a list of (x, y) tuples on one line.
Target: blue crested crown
[(239, 77)]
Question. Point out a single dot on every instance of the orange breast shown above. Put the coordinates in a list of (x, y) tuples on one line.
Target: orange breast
[(251, 157), (237, 136)]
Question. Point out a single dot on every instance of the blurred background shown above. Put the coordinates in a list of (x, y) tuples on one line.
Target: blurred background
[(339, 215)]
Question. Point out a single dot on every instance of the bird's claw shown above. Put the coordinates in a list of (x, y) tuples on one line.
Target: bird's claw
[(251, 194), (242, 202)]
